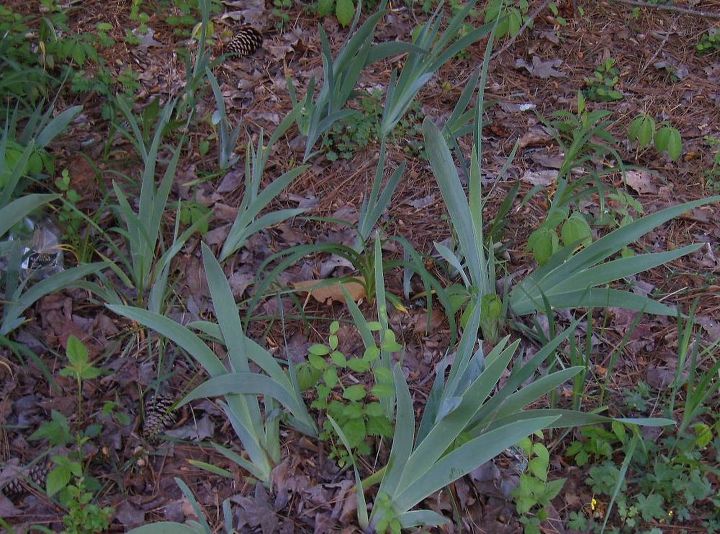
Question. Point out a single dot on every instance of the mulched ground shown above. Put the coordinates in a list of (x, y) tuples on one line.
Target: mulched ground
[(310, 493)]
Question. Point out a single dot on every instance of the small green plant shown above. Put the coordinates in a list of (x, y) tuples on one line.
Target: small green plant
[(573, 230), (83, 516), (67, 216), (668, 139), (344, 10), (643, 131), (79, 366), (596, 444), (357, 130), (192, 212), (602, 86), (101, 31), (68, 481), (709, 42), (712, 175), (349, 389), (280, 12), (512, 16), (623, 208), (637, 398), (534, 491), (187, 14)]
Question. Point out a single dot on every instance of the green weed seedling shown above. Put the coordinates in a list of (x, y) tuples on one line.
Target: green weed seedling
[(602, 86), (596, 444), (623, 209), (68, 216), (573, 230), (280, 12), (709, 42), (512, 15), (535, 492), (344, 10), (68, 480), (188, 14), (356, 131), (192, 213), (79, 366), (637, 398), (643, 131), (712, 175), (349, 389)]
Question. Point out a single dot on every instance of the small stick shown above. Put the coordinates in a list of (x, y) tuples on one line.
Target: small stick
[(527, 23), (668, 7)]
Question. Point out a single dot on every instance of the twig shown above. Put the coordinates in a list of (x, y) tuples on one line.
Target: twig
[(657, 52), (527, 23), (669, 7)]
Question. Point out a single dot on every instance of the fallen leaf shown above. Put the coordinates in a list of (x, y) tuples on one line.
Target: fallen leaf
[(659, 377), (641, 181), (195, 431), (710, 325), (545, 177), (546, 159), (537, 135), (515, 108), (427, 325), (82, 175), (147, 39), (129, 515), (231, 181), (423, 202), (330, 290), (540, 68)]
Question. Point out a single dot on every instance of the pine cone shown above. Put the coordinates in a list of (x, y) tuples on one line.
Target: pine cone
[(159, 416), (16, 488), (245, 42)]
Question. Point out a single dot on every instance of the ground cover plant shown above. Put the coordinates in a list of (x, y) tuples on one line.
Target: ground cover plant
[(405, 266)]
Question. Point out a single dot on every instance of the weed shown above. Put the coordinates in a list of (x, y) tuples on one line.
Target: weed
[(512, 16), (344, 10), (596, 444), (362, 127), (67, 216), (189, 11), (535, 492), (280, 12), (83, 516), (643, 131), (637, 398), (712, 175), (67, 480), (602, 86), (195, 213), (356, 131), (340, 386), (670, 475), (709, 42), (79, 366)]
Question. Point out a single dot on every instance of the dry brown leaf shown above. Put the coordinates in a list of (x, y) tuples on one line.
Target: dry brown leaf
[(331, 289), (640, 181), (535, 136), (543, 177)]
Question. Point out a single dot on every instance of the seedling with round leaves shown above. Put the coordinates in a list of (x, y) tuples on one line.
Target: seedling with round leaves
[(349, 390)]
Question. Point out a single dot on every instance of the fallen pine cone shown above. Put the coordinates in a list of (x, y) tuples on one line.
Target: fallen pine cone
[(159, 416), (18, 488)]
